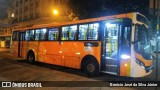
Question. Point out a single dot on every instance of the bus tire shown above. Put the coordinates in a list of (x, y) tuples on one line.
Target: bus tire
[(31, 57), (90, 67)]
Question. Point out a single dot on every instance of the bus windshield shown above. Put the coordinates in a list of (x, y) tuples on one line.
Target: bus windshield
[(142, 19), (142, 45)]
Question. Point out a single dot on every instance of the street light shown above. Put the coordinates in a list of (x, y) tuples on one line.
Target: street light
[(12, 15), (55, 11)]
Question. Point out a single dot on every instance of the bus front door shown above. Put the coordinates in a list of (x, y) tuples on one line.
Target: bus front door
[(21, 45), (110, 38)]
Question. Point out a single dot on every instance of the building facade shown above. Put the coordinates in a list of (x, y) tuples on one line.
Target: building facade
[(26, 13), (39, 11), (5, 37)]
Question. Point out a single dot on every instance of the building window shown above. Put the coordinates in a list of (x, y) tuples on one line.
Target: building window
[(37, 4), (17, 4), (21, 1), (56, 1), (37, 15)]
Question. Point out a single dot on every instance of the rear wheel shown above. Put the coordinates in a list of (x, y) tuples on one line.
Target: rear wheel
[(31, 57), (91, 67)]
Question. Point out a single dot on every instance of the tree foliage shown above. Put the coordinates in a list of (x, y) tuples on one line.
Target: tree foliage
[(95, 8)]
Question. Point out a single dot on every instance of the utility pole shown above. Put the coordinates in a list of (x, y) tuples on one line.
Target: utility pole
[(154, 6), (157, 44)]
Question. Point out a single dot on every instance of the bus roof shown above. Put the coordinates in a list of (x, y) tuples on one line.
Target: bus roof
[(125, 15)]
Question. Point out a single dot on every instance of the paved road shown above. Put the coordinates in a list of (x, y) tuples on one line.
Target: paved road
[(14, 69)]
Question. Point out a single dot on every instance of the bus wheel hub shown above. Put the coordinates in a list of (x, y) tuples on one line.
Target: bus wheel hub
[(90, 67)]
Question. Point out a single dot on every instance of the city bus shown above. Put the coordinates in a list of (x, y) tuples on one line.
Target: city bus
[(117, 44)]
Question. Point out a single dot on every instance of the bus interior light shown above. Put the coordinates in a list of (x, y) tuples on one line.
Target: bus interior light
[(60, 51), (124, 56), (109, 25)]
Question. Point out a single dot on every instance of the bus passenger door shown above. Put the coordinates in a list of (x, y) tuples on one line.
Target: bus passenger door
[(21, 45), (110, 52)]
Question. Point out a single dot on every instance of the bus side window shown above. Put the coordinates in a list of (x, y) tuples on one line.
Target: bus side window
[(53, 34), (127, 36), (32, 35), (27, 35), (37, 34), (93, 31), (15, 36), (65, 33), (43, 33), (69, 32), (73, 32), (83, 32)]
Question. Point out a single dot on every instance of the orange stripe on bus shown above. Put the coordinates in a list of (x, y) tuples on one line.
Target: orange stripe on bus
[(146, 62)]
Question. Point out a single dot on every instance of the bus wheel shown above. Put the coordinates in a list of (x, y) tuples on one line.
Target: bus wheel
[(91, 67), (31, 57)]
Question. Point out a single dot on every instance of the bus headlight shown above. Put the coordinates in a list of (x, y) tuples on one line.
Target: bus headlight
[(124, 56)]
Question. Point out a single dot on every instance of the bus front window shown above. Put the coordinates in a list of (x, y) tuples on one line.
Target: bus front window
[(142, 44), (125, 41)]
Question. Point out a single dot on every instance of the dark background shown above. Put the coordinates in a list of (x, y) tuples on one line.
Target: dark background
[(94, 8)]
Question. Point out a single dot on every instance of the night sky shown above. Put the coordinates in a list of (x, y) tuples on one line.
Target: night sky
[(96, 8)]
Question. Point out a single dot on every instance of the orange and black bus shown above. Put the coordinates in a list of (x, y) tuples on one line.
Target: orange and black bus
[(117, 44)]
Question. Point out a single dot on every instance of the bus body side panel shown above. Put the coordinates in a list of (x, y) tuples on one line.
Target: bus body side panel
[(22, 49), (74, 52), (14, 50), (66, 53), (25, 47), (125, 67), (50, 52)]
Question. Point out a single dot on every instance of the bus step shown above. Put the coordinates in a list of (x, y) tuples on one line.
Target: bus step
[(107, 65), (111, 68), (112, 73), (111, 61), (109, 58)]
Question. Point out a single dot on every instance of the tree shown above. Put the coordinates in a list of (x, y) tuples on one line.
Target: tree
[(83, 8), (95, 8)]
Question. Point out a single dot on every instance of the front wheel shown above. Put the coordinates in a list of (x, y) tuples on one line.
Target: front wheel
[(91, 67), (31, 57)]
